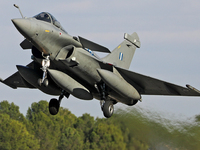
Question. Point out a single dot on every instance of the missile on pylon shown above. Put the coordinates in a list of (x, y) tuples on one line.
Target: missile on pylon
[(192, 88)]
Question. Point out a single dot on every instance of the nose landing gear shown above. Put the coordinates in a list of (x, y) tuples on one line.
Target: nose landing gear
[(45, 65)]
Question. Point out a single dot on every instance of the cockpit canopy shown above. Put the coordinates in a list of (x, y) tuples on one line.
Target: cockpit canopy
[(47, 17)]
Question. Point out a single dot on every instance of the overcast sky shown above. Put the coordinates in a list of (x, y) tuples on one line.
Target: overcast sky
[(169, 32)]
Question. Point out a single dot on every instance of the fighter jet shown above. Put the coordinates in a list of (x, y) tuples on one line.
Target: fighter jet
[(65, 65)]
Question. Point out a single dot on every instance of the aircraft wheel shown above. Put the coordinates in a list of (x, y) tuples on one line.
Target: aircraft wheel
[(101, 104), (108, 109), (54, 106), (46, 82), (40, 82)]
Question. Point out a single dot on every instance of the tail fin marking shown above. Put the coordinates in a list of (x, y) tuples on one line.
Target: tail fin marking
[(122, 55)]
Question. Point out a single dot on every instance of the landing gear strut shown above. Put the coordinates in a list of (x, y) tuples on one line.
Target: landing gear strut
[(105, 103), (54, 104), (45, 65)]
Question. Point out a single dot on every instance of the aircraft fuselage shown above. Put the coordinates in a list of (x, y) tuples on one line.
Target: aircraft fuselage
[(66, 53), (70, 66)]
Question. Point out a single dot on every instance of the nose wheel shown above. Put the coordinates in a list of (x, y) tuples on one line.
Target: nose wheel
[(45, 65), (44, 82)]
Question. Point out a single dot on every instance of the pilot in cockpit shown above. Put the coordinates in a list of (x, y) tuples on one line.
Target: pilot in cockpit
[(44, 16)]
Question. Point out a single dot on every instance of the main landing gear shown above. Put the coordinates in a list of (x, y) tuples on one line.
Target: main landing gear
[(107, 104), (45, 65), (107, 108), (54, 104)]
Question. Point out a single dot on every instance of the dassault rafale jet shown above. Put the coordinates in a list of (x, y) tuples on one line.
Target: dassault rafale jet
[(65, 65)]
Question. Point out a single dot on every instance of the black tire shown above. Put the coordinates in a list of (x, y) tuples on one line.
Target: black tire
[(46, 82), (40, 82), (108, 109), (54, 106)]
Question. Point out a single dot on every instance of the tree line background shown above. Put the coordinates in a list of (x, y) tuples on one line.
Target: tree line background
[(125, 130)]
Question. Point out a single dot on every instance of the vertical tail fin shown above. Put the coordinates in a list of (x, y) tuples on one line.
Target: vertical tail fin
[(122, 55)]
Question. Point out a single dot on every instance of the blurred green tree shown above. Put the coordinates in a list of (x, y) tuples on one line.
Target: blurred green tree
[(70, 139), (12, 110), (49, 130), (14, 135)]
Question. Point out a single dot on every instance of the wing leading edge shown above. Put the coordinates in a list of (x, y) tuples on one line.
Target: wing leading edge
[(93, 46), (151, 86)]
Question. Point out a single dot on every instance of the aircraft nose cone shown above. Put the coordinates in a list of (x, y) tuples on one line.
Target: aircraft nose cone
[(24, 27), (22, 24)]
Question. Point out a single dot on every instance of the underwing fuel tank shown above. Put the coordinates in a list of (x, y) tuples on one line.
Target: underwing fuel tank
[(32, 76), (119, 85), (70, 85)]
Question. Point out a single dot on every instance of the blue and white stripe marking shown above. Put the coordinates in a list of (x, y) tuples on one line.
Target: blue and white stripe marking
[(91, 52), (120, 56)]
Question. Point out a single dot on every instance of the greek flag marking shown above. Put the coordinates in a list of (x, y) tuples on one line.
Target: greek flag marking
[(91, 52), (120, 56)]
